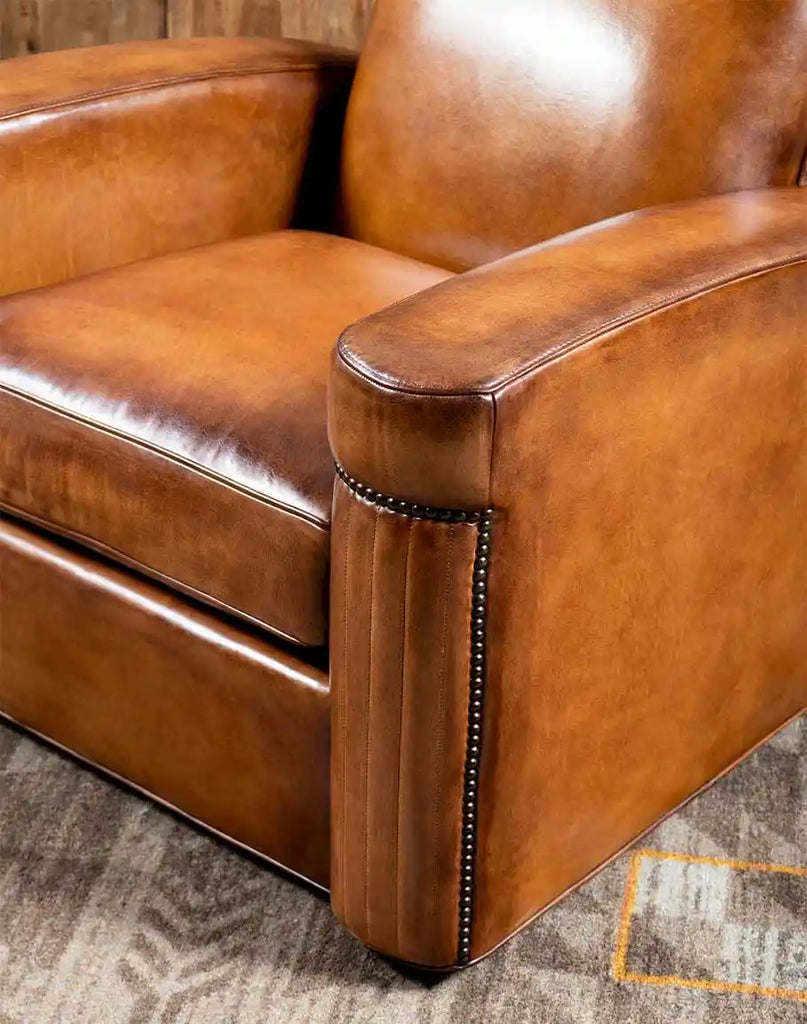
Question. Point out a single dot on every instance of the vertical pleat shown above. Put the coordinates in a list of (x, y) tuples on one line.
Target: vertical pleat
[(400, 621)]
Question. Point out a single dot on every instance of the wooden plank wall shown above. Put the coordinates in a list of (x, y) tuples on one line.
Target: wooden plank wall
[(30, 26)]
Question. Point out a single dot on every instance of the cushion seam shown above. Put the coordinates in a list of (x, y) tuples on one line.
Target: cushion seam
[(188, 463), (118, 556), (150, 84)]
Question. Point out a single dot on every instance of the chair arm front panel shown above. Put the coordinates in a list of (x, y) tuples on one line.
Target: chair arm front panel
[(646, 449), (404, 642), (115, 153)]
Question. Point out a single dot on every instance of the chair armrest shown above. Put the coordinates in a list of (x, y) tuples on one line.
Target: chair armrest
[(569, 560), (114, 153)]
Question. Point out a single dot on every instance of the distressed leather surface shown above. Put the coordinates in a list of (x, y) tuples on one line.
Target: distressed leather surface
[(629, 398), (647, 385), (216, 721), (172, 414), (115, 153)]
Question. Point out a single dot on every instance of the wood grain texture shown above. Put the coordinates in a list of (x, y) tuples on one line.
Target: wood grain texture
[(340, 22), (223, 18), (30, 26)]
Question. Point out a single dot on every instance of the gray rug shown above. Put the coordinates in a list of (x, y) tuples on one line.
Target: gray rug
[(113, 911)]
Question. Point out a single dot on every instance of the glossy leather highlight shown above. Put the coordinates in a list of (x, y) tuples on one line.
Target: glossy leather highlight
[(179, 421), (217, 722), (476, 129), (628, 398)]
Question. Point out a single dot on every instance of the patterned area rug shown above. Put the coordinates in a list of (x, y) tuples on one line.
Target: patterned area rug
[(113, 912)]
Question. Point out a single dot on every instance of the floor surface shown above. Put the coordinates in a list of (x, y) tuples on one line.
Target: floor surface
[(114, 912)]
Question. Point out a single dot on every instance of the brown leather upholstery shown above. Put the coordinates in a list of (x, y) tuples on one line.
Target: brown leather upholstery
[(647, 582), (209, 718), (567, 555), (172, 413), (475, 129), (113, 153), (399, 686), (415, 390)]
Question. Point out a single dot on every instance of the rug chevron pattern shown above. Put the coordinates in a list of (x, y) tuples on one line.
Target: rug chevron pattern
[(113, 911)]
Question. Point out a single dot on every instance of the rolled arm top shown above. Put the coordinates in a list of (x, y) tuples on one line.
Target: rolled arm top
[(115, 153), (417, 389), (520, 693)]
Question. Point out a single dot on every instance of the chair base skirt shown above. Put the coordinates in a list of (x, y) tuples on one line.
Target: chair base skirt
[(216, 721)]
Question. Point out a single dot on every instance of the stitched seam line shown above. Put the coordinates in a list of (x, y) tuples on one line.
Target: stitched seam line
[(368, 731), (343, 705), (150, 84), (121, 558), (169, 456), (626, 319), (483, 520), (442, 707), (398, 858)]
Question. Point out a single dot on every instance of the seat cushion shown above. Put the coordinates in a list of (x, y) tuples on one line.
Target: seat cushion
[(171, 414)]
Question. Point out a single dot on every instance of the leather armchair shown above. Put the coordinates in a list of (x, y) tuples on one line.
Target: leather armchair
[(534, 572)]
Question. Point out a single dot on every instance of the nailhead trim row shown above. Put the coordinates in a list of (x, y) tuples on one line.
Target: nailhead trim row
[(473, 747), (407, 508), (483, 520)]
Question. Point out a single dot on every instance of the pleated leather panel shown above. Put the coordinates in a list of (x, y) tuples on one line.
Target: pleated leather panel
[(401, 598)]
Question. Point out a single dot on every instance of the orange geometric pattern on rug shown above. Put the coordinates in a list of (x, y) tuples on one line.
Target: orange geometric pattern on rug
[(620, 962)]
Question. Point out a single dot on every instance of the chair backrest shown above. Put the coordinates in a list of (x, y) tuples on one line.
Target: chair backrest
[(478, 127)]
